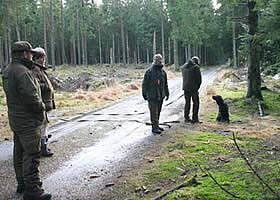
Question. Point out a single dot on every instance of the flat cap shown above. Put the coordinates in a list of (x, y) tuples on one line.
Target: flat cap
[(196, 59), (157, 57), (22, 46), (39, 51)]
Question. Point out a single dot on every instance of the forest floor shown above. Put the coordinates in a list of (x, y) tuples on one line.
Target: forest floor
[(192, 156)]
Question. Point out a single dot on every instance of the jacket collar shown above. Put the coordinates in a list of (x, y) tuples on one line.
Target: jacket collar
[(26, 62)]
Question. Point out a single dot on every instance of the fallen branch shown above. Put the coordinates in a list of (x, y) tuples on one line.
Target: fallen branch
[(225, 190), (192, 181), (250, 166)]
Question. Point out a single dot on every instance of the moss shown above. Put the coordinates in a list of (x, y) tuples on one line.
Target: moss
[(232, 172), (271, 102)]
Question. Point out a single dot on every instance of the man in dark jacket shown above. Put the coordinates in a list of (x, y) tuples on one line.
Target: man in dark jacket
[(155, 89), (26, 112), (47, 92), (191, 84)]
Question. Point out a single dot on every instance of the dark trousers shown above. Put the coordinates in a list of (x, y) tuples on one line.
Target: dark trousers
[(27, 157), (155, 109), (195, 99)]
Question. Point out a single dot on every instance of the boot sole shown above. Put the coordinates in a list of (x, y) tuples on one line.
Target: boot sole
[(46, 197)]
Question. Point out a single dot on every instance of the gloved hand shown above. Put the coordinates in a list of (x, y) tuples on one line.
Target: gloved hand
[(167, 97)]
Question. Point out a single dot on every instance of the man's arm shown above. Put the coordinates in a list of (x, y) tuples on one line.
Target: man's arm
[(29, 93)]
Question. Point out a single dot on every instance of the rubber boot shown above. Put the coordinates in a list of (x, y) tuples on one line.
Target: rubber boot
[(20, 188), (156, 131), (44, 150), (35, 193)]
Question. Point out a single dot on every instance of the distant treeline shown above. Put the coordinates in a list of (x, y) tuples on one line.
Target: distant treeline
[(79, 32)]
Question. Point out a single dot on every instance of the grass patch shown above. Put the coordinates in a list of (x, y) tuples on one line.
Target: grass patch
[(271, 102), (224, 163)]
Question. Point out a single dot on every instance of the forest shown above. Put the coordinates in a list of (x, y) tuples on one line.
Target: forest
[(81, 32)]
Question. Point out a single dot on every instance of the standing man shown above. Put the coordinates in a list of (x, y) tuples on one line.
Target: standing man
[(155, 89), (26, 112), (191, 84), (47, 92)]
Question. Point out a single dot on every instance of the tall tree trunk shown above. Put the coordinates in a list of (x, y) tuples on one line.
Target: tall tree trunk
[(154, 44), (16, 21), (254, 77), (86, 49), (186, 54), (25, 32), (122, 32), (233, 42), (83, 42), (200, 53), (205, 55), (83, 36), (74, 42), (62, 33), (162, 34), (119, 51), (78, 37), (148, 57), (111, 56), (100, 47), (176, 57), (138, 54), (1, 54), (45, 29), (6, 48), (52, 35), (135, 57), (127, 49), (189, 51), (169, 51), (113, 49), (9, 39)]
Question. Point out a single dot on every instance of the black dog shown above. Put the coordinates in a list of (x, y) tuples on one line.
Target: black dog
[(223, 115)]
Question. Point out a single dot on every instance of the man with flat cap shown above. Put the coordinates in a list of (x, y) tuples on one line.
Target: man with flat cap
[(155, 89), (26, 112)]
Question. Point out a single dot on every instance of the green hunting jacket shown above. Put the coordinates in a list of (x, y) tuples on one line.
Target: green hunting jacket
[(26, 109), (46, 87), (154, 85)]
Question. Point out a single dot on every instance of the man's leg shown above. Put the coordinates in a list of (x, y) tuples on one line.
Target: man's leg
[(44, 149), (154, 114), (18, 163), (187, 106), (195, 99), (31, 141), (159, 110)]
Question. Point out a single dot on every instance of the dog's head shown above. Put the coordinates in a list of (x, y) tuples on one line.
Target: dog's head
[(218, 99)]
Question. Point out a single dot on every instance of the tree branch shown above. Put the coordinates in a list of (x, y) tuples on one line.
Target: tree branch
[(250, 166), (225, 190)]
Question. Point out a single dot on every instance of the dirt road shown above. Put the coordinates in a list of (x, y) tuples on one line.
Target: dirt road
[(94, 148)]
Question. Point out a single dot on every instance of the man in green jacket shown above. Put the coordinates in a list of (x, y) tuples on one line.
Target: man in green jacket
[(155, 89), (26, 112), (191, 84)]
